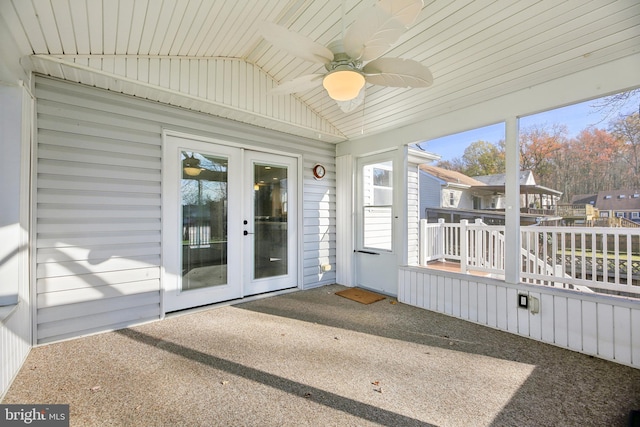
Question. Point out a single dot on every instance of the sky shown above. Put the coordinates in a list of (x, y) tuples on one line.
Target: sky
[(576, 117)]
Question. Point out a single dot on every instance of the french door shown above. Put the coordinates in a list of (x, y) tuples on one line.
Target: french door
[(229, 223)]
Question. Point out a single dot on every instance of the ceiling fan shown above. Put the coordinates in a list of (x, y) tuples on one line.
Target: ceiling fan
[(356, 59)]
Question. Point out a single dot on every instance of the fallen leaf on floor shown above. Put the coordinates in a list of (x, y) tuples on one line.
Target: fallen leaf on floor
[(138, 407), (376, 383), (379, 390), (336, 338), (224, 382), (95, 388), (394, 302), (307, 395)]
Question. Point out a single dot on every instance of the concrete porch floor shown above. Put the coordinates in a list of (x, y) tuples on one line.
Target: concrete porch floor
[(314, 358)]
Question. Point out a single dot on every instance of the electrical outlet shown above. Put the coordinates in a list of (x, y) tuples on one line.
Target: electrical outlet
[(534, 305), (523, 301)]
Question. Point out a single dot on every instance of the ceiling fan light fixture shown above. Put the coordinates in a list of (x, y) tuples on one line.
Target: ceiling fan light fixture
[(191, 166), (343, 84)]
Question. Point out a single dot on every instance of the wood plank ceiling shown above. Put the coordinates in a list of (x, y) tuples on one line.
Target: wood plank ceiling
[(207, 55)]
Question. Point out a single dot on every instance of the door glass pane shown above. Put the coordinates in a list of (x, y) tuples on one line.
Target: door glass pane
[(377, 206), (270, 220), (204, 220)]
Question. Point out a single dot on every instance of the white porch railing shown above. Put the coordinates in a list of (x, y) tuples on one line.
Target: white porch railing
[(587, 259)]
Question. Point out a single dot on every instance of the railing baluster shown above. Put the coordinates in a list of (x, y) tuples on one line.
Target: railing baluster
[(573, 253), (583, 255), (463, 246), (629, 260), (594, 258), (616, 258), (605, 258)]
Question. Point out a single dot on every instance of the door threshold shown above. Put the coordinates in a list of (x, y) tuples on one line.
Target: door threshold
[(198, 309)]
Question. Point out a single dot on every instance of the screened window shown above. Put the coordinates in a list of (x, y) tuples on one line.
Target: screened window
[(377, 205)]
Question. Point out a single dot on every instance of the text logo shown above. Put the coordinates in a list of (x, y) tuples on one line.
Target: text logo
[(34, 415)]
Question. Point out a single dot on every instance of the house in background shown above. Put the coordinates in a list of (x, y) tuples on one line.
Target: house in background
[(119, 117), (533, 196), (613, 204), (445, 193), (453, 196)]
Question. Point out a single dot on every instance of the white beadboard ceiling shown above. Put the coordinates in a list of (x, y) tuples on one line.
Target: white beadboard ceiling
[(207, 55)]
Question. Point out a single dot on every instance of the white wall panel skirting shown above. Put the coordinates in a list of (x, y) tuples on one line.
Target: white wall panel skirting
[(597, 325), (15, 341)]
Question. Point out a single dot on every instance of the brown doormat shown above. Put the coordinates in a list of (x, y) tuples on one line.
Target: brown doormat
[(360, 295)]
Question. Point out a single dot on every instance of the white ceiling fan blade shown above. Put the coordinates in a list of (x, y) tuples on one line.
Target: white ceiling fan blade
[(349, 106), (300, 84), (294, 43), (375, 31), (397, 72)]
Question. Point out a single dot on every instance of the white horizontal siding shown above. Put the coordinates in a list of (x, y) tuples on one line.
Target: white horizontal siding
[(596, 325), (98, 214)]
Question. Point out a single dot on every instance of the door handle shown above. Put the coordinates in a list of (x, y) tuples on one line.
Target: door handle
[(367, 252)]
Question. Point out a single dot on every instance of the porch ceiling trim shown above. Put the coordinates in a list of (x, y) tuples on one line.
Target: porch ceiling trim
[(307, 125)]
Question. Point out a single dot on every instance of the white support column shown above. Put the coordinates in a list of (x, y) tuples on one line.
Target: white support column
[(12, 173), (401, 214), (344, 220), (512, 211)]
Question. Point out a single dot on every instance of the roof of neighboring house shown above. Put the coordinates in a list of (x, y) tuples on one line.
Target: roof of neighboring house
[(450, 176), (524, 189), (526, 178), (618, 200), (584, 199)]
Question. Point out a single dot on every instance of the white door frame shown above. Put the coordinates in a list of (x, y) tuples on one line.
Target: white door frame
[(251, 285), (174, 298), (386, 261), (169, 218)]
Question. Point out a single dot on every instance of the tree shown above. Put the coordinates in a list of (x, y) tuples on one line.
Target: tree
[(627, 130), (614, 105), (453, 165), (539, 145), (479, 158), (483, 158), (596, 161)]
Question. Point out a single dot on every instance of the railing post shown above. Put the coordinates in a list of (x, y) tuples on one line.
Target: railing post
[(441, 238), (464, 245), (422, 243)]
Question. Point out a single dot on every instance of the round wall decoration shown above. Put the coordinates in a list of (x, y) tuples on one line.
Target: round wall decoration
[(319, 171)]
